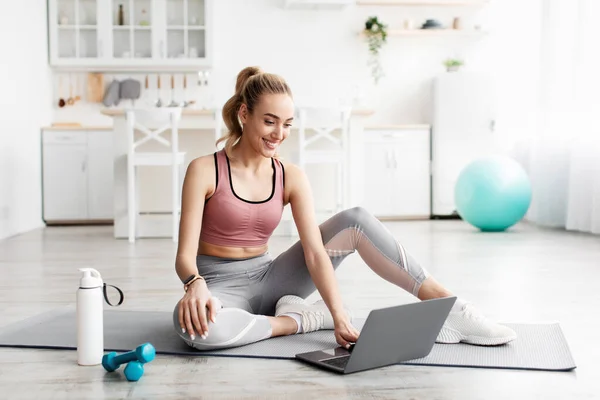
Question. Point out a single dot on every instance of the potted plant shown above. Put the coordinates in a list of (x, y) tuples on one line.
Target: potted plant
[(376, 33), (453, 64)]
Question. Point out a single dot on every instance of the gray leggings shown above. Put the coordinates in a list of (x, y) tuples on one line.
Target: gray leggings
[(249, 288)]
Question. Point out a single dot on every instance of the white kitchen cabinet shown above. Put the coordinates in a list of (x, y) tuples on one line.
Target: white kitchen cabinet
[(397, 173), (100, 175), (76, 31), (131, 34), (64, 176), (77, 177), (184, 34)]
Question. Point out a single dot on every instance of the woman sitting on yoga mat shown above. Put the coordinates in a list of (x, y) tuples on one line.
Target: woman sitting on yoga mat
[(236, 292)]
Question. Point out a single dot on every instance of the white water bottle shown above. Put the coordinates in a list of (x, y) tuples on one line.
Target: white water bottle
[(90, 318)]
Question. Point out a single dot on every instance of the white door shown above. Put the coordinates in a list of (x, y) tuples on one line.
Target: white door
[(130, 31), (463, 123), (100, 175), (183, 32), (65, 181), (76, 32), (410, 180), (397, 173), (377, 197)]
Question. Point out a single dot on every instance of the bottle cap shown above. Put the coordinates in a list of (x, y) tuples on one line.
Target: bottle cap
[(90, 278)]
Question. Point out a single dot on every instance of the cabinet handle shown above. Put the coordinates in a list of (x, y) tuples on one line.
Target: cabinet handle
[(387, 158), (64, 138), (395, 161), (83, 166)]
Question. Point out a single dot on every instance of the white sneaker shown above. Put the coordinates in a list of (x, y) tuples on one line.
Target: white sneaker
[(469, 326), (315, 316)]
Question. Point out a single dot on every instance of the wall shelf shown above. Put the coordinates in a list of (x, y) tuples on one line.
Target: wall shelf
[(434, 33), (436, 3), (135, 27), (188, 27), (82, 27), (317, 4)]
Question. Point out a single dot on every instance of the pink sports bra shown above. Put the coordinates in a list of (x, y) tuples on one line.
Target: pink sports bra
[(229, 220)]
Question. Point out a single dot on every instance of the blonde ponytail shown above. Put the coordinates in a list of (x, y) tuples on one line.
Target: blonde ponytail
[(251, 83)]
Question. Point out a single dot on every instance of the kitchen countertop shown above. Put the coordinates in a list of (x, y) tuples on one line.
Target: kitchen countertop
[(186, 111), (76, 128), (206, 112), (356, 111), (198, 112), (397, 126), (109, 128)]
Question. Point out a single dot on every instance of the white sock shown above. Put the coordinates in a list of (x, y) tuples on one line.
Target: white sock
[(458, 305), (297, 317)]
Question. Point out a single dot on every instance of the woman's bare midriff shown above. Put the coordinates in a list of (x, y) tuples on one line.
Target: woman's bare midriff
[(230, 252)]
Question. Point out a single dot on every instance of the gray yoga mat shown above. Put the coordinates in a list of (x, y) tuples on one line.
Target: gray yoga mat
[(538, 347)]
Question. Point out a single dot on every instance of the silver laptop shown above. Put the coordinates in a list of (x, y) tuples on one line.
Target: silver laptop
[(389, 336)]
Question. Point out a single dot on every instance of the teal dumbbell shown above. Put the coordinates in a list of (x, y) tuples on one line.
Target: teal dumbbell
[(134, 371), (136, 358)]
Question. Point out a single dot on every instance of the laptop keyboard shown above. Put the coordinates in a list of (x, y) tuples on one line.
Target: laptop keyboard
[(339, 362)]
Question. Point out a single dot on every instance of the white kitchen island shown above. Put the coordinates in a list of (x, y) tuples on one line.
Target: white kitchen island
[(198, 130)]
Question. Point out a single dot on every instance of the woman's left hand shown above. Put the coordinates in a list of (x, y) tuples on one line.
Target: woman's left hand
[(345, 333)]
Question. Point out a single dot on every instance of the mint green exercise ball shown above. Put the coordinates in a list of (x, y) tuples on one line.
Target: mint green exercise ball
[(492, 193)]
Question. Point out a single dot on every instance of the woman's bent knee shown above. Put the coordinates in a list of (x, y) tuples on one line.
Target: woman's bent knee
[(356, 215), (233, 327)]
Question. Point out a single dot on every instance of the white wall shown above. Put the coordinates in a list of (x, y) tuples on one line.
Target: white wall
[(318, 52), (25, 106), (324, 60)]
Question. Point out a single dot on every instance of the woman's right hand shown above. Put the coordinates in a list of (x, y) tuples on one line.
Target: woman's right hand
[(193, 309)]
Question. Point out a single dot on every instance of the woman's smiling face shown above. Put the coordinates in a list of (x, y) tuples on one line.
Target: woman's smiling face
[(269, 124)]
